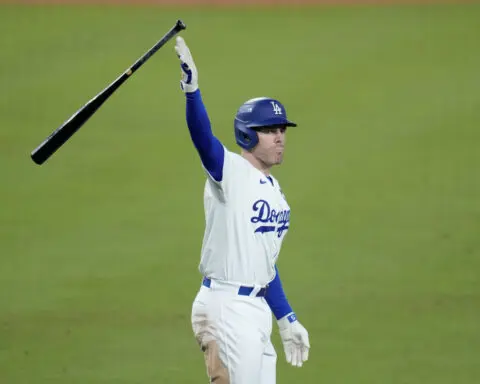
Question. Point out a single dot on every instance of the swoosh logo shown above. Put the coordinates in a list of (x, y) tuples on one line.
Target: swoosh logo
[(263, 181)]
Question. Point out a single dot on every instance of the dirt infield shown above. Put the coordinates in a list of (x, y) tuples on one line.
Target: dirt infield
[(238, 2)]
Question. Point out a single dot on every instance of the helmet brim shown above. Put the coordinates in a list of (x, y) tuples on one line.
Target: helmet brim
[(271, 123)]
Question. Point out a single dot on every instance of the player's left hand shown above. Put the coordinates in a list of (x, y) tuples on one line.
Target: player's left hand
[(295, 340)]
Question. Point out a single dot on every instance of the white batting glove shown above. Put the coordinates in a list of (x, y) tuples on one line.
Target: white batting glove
[(295, 340), (189, 81)]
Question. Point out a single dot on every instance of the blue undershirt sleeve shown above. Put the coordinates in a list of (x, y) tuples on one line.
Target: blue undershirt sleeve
[(210, 149), (276, 299)]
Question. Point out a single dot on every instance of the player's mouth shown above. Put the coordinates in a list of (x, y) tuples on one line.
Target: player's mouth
[(278, 154)]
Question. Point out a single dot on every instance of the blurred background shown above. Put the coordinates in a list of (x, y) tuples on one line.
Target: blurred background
[(99, 247)]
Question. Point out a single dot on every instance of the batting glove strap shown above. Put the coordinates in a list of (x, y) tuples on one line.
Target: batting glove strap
[(295, 340)]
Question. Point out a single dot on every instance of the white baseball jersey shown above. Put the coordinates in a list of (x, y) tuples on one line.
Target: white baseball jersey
[(247, 218)]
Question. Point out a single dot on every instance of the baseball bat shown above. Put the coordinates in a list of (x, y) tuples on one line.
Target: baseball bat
[(58, 137)]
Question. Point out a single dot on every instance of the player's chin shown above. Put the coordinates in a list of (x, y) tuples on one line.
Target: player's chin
[(278, 158)]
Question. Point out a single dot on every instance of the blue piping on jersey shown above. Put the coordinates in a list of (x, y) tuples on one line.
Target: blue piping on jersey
[(210, 149)]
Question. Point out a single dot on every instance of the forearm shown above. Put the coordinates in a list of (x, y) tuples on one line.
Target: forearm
[(209, 148), (277, 300)]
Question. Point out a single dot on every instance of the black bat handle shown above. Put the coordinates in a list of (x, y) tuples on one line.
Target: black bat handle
[(172, 32)]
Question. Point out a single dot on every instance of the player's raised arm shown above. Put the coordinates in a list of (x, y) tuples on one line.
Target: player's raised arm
[(209, 148), (294, 336)]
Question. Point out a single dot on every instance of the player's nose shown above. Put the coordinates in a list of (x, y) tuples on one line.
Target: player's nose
[(279, 136)]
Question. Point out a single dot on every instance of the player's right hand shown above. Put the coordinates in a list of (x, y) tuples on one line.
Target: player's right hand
[(189, 81)]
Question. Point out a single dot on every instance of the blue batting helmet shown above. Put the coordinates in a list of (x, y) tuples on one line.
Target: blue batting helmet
[(256, 113)]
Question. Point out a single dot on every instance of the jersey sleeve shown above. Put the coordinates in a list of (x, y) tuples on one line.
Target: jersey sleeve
[(234, 172)]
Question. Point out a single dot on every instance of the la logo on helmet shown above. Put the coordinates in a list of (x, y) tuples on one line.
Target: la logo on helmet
[(276, 108)]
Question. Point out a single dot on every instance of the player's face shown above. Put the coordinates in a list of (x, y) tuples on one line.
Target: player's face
[(271, 145)]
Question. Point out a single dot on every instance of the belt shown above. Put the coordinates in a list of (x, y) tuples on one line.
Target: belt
[(242, 290)]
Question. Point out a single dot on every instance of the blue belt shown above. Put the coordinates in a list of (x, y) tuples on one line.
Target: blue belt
[(243, 290)]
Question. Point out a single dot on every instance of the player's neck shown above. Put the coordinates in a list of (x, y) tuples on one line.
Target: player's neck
[(257, 163)]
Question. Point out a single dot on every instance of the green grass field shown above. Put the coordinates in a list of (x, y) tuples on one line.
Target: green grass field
[(99, 247)]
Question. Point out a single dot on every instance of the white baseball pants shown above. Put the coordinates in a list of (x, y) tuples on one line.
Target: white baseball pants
[(234, 332)]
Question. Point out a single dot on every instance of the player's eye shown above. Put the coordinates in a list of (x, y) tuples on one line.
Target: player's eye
[(265, 130), (273, 129), (277, 129)]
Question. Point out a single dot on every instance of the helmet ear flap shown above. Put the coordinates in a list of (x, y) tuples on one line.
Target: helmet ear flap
[(245, 137)]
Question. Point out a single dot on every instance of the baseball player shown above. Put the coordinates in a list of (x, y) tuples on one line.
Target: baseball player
[(247, 218)]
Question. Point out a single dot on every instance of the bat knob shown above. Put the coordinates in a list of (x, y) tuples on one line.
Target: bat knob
[(180, 25)]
